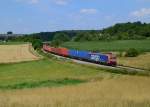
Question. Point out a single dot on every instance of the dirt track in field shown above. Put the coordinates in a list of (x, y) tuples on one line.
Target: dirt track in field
[(16, 53)]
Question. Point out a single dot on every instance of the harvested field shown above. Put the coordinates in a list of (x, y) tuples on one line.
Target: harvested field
[(127, 91), (16, 53)]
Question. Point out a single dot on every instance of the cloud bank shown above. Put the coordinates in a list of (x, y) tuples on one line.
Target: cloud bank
[(141, 13)]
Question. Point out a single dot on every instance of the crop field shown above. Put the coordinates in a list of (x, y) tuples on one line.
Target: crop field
[(61, 83), (52, 83), (120, 45), (125, 91), (142, 61), (16, 53)]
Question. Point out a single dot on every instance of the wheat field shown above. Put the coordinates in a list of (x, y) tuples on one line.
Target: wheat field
[(16, 53), (124, 91)]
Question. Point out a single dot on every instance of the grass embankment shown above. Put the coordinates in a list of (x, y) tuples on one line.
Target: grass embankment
[(142, 61), (126, 91), (120, 45), (46, 73)]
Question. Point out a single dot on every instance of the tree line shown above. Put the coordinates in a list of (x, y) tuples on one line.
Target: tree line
[(120, 31)]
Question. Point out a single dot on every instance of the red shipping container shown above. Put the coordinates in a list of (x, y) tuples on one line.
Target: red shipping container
[(53, 49), (64, 51), (59, 51), (49, 49)]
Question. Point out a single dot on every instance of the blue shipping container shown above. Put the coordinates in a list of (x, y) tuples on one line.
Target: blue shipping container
[(83, 54), (79, 54), (73, 53)]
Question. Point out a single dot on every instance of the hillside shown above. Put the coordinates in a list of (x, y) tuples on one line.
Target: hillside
[(120, 31)]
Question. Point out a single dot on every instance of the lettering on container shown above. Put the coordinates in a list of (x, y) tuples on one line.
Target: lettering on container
[(95, 57)]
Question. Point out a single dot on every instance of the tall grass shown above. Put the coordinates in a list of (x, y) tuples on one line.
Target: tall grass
[(142, 61), (125, 91), (46, 83)]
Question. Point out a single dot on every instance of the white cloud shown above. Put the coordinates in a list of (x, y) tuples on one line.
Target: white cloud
[(58, 2), (61, 2), (29, 1), (143, 0), (89, 11), (141, 13), (34, 1)]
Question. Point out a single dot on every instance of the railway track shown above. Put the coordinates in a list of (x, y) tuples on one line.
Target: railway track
[(130, 68), (119, 67)]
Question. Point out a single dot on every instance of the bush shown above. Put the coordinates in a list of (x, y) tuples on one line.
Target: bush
[(37, 44), (132, 52)]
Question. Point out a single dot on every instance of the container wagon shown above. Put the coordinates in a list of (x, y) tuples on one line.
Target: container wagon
[(82, 55), (105, 59)]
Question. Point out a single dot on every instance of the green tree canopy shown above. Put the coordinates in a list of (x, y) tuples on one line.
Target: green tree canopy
[(37, 44), (60, 38)]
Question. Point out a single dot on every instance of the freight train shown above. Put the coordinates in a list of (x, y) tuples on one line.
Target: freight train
[(99, 58)]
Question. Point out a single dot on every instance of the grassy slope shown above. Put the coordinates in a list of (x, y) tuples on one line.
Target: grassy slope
[(122, 45), (142, 61), (43, 70)]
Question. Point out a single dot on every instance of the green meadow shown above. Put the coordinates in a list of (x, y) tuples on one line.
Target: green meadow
[(120, 45), (46, 73)]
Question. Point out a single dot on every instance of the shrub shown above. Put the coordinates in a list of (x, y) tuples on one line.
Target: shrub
[(132, 52), (59, 38), (37, 44)]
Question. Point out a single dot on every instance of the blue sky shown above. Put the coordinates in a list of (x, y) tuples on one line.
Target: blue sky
[(28, 16)]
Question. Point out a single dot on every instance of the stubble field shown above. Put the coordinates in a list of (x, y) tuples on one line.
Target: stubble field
[(16, 53)]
